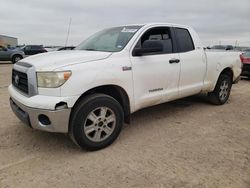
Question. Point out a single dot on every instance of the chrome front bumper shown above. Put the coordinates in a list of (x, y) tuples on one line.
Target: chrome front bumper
[(45, 120)]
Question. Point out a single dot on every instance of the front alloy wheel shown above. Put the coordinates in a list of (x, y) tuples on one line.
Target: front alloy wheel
[(16, 58), (99, 124), (96, 121)]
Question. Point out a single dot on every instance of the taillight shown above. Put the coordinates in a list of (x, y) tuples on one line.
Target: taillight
[(242, 58)]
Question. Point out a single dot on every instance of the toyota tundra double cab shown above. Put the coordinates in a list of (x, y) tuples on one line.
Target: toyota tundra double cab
[(91, 91)]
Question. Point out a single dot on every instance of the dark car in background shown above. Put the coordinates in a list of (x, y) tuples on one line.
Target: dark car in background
[(13, 55), (33, 49), (222, 47), (66, 48), (245, 59)]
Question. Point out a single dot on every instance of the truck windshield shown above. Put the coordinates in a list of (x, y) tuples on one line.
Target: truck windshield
[(109, 40)]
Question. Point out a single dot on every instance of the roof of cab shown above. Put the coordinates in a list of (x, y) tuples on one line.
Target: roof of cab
[(159, 24)]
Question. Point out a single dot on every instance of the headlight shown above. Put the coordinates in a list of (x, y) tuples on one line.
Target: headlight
[(52, 79)]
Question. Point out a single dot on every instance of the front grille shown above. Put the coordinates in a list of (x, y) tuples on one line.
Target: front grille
[(20, 81)]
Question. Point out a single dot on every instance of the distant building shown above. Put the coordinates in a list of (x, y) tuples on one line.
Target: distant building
[(8, 41)]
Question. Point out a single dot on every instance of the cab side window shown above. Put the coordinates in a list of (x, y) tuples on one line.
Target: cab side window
[(27, 48), (184, 40), (161, 34)]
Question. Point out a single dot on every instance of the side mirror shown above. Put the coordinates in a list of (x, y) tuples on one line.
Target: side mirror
[(148, 46)]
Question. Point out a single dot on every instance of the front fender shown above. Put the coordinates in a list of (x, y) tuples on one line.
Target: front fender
[(99, 73)]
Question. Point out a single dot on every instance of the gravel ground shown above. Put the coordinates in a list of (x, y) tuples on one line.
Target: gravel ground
[(186, 143)]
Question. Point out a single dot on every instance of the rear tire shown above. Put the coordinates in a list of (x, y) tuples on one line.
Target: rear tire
[(16, 58), (96, 122), (221, 91)]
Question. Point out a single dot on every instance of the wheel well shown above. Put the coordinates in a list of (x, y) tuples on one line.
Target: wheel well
[(228, 71), (114, 91), (16, 55)]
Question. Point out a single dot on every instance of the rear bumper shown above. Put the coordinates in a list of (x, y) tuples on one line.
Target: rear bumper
[(45, 120), (246, 70)]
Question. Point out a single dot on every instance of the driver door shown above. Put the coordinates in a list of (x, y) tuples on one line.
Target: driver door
[(156, 75)]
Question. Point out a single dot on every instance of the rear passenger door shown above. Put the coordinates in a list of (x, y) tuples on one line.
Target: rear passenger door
[(34, 50), (27, 50), (192, 62)]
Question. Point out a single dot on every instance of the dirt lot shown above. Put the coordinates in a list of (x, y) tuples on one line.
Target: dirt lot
[(186, 143)]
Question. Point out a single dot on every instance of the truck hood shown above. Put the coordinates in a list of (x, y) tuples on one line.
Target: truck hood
[(52, 60)]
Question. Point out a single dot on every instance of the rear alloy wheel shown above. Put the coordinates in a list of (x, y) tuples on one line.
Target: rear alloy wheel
[(96, 121), (16, 58), (222, 90)]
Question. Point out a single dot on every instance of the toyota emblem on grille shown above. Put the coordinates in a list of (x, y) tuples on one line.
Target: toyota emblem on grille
[(17, 79)]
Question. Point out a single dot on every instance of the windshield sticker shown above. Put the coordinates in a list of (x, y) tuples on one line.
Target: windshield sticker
[(126, 30)]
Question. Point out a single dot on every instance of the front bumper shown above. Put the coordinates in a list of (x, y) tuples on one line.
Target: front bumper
[(45, 120)]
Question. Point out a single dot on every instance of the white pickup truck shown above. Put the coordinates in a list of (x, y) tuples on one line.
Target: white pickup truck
[(89, 92)]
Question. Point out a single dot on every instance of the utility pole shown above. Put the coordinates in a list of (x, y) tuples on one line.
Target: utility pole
[(236, 43), (67, 38)]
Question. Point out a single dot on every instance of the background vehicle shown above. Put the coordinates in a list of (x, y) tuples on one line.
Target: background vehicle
[(33, 49), (10, 55), (222, 47), (90, 91), (66, 48), (50, 48), (245, 59)]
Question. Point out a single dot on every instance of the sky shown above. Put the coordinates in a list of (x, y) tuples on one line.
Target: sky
[(47, 21)]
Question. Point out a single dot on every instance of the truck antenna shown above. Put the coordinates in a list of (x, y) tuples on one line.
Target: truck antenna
[(67, 38)]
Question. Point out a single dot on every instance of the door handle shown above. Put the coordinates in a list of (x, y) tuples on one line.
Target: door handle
[(174, 61)]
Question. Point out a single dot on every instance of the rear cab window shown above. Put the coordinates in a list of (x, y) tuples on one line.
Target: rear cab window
[(184, 40)]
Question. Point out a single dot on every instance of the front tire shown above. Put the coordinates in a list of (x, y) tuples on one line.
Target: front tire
[(16, 58), (222, 90), (96, 122)]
